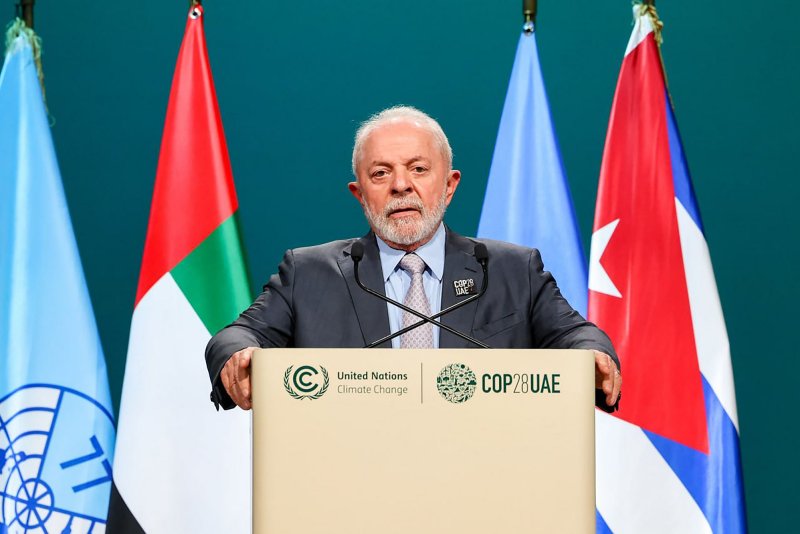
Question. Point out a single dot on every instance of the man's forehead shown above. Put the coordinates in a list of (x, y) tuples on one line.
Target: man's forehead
[(398, 135)]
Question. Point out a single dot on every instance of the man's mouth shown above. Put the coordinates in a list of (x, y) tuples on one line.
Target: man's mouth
[(403, 212)]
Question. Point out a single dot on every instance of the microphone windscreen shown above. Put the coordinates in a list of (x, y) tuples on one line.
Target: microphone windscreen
[(357, 251), (481, 253)]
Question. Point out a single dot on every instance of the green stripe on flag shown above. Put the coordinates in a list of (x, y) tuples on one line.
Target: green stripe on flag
[(214, 277)]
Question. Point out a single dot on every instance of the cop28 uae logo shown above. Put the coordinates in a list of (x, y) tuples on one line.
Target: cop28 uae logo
[(456, 383), (306, 382)]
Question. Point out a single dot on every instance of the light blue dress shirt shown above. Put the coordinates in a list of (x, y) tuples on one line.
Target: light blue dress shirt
[(397, 281)]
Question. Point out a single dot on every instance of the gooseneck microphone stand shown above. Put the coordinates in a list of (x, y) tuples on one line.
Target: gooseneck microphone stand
[(481, 254)]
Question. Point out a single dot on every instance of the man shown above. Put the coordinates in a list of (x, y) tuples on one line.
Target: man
[(402, 163)]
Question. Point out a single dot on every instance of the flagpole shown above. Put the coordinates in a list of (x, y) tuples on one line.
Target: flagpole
[(529, 10), (658, 26), (27, 12), (529, 15)]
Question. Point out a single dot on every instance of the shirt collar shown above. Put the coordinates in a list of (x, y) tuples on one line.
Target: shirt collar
[(432, 253)]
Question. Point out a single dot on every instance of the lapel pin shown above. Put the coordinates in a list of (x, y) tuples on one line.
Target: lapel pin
[(464, 287)]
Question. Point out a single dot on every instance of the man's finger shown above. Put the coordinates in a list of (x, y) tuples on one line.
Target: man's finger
[(244, 362), (230, 372), (617, 387), (243, 375), (231, 368), (225, 376), (608, 384), (607, 368), (601, 369)]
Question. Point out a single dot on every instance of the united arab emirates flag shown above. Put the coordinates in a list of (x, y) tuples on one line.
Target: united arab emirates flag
[(180, 465)]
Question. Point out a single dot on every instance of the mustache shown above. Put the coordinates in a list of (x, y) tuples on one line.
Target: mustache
[(402, 204)]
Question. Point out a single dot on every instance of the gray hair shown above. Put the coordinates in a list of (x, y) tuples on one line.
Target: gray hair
[(397, 114)]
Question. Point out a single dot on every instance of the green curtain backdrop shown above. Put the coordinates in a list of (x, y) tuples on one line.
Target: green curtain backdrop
[(295, 78)]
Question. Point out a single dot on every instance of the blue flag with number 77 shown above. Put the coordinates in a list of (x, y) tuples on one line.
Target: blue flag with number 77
[(56, 422)]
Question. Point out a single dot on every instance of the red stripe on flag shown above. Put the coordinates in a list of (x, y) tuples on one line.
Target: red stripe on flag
[(651, 324), (194, 189)]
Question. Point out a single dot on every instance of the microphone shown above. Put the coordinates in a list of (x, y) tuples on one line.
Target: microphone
[(481, 254), (357, 252)]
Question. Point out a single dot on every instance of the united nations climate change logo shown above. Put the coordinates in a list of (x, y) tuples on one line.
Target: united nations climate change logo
[(55, 464), (307, 381), (456, 383)]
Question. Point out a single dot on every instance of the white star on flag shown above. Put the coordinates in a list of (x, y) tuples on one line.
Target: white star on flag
[(598, 277)]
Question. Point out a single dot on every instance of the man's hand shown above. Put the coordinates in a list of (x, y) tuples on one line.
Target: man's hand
[(235, 377), (607, 377)]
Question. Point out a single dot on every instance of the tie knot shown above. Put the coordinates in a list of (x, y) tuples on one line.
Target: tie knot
[(412, 264)]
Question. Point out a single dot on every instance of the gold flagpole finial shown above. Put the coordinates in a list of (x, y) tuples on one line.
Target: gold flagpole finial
[(529, 15), (649, 7)]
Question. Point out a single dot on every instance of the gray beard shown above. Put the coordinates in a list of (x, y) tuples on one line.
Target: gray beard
[(406, 231)]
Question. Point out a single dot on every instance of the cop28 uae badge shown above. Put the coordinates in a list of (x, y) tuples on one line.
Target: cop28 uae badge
[(306, 382)]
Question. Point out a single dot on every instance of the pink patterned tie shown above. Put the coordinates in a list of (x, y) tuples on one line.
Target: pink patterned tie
[(422, 336)]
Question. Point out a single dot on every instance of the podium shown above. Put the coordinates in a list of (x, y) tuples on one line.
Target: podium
[(423, 441)]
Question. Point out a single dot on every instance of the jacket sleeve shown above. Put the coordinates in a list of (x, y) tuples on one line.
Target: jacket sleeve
[(557, 325), (268, 322)]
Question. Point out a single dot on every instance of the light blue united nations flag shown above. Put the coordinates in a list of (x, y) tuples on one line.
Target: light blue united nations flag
[(56, 422), (528, 201)]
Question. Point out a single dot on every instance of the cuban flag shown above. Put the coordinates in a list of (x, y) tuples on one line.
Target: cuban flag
[(668, 460)]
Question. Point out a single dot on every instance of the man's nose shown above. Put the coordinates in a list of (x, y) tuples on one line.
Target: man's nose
[(401, 182)]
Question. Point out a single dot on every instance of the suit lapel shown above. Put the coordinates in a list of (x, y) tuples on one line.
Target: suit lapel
[(373, 317), (459, 264)]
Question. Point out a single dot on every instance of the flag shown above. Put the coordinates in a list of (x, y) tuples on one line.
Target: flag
[(527, 198), (56, 419), (181, 466), (668, 460)]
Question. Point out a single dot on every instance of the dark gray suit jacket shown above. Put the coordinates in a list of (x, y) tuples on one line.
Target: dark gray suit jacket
[(314, 301)]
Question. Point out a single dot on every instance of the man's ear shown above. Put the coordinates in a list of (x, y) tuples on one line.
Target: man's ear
[(453, 179), (355, 190)]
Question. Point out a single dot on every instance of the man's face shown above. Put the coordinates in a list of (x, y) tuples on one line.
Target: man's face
[(403, 184)]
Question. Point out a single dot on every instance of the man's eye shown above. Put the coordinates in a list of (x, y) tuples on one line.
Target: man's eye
[(418, 169), (379, 173)]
